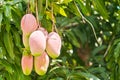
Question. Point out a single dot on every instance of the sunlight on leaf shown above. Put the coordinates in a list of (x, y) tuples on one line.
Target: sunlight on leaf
[(59, 10)]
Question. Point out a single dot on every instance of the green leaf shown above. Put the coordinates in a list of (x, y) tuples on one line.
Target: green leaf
[(1, 17), (66, 1), (110, 63), (80, 34), (89, 76), (16, 16), (17, 38), (2, 50), (49, 15), (58, 78), (47, 24), (117, 52), (8, 42), (41, 9), (119, 72), (7, 65), (83, 7), (72, 8), (76, 76), (99, 5), (59, 10), (98, 49), (1, 77), (32, 5), (72, 38), (7, 24), (7, 11), (92, 20)]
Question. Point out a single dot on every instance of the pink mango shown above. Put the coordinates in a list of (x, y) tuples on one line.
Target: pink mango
[(27, 64), (37, 42), (53, 45), (28, 24), (44, 31), (41, 63), (25, 40)]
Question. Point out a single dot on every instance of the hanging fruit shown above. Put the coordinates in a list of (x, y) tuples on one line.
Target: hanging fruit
[(27, 64), (28, 24), (37, 42), (41, 63), (53, 45)]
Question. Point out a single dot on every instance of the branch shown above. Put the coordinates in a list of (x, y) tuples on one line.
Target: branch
[(110, 43), (87, 22)]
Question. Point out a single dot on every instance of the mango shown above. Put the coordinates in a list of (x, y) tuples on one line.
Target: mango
[(53, 45), (37, 43), (27, 64), (28, 24), (44, 31), (41, 64)]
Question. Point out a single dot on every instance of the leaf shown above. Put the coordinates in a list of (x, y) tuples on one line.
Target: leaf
[(7, 65), (1, 77), (58, 78), (119, 72), (80, 34), (83, 7), (72, 39), (7, 24), (7, 11), (117, 52), (9, 44), (49, 15), (92, 20), (72, 8), (16, 16), (2, 48), (32, 5), (2, 51), (47, 24), (109, 54), (40, 9), (1, 17), (89, 76), (54, 68), (59, 10), (110, 63), (97, 70), (66, 1), (17, 38), (99, 5), (98, 49), (76, 76)]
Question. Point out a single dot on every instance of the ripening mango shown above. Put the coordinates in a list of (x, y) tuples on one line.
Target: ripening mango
[(28, 24), (37, 43), (44, 31), (41, 63), (53, 45), (27, 64)]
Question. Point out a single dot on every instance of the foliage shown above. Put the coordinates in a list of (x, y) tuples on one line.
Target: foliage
[(89, 30)]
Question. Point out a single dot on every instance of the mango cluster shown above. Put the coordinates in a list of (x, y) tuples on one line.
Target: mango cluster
[(39, 45)]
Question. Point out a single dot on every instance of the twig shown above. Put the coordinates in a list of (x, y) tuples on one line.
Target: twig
[(87, 22), (54, 28), (110, 43), (28, 7), (36, 3), (52, 17)]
